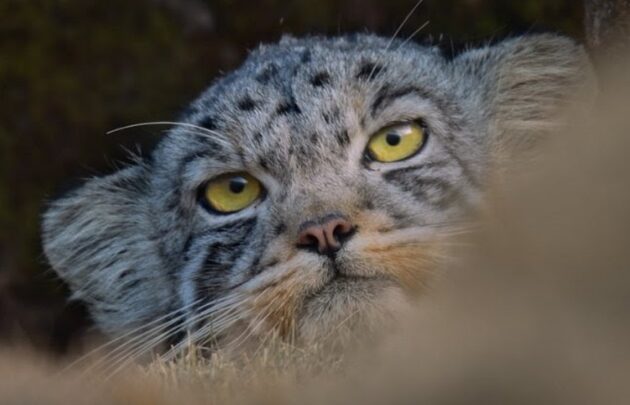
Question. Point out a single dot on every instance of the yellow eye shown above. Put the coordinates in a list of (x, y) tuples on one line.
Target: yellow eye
[(396, 142), (232, 192)]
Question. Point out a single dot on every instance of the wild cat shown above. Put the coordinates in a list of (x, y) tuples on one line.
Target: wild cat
[(317, 184)]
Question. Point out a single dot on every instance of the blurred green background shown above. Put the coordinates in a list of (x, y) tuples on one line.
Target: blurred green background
[(70, 70)]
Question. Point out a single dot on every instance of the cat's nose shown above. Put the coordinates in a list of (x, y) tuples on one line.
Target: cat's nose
[(326, 236)]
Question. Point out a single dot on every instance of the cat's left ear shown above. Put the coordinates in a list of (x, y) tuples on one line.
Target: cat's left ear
[(524, 85)]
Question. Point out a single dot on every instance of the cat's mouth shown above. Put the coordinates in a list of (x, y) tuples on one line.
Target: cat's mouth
[(340, 273), (347, 305), (363, 283), (339, 281), (349, 285)]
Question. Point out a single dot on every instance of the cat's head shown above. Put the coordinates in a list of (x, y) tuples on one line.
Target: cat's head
[(315, 185)]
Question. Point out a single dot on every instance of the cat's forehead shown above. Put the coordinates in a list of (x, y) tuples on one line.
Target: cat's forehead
[(300, 94), (299, 68)]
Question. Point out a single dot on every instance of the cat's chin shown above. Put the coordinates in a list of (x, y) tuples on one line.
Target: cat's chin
[(347, 308)]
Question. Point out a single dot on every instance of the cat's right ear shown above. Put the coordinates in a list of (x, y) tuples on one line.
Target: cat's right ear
[(97, 239), (523, 85)]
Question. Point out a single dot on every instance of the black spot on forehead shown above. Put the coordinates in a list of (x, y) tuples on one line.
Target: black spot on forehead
[(288, 107), (267, 73), (342, 137), (258, 137), (247, 104), (208, 122), (306, 56), (330, 116), (305, 151), (320, 79), (263, 161), (369, 71)]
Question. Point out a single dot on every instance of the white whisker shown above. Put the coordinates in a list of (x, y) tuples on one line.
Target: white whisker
[(198, 130), (131, 350), (147, 340), (393, 38), (153, 123), (218, 324), (126, 335), (249, 330), (413, 34)]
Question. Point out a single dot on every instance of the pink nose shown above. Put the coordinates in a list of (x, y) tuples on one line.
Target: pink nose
[(327, 236)]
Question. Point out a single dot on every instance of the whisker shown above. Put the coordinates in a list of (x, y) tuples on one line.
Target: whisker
[(393, 38), (149, 338), (340, 324), (134, 348), (445, 225), (225, 320), (156, 123), (402, 24), (413, 34), (198, 130), (219, 323), (127, 358), (124, 336), (272, 330), (249, 331)]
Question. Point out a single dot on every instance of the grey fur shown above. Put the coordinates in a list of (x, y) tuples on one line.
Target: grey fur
[(137, 244)]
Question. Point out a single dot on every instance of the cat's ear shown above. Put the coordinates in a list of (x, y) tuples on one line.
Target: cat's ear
[(97, 239), (524, 86)]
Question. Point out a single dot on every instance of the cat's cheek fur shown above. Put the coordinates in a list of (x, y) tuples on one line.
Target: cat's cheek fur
[(274, 297), (410, 264), (98, 239)]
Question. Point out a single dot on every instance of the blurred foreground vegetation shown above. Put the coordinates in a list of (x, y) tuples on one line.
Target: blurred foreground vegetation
[(70, 70)]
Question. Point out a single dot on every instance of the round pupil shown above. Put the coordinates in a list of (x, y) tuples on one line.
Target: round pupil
[(392, 139), (237, 184)]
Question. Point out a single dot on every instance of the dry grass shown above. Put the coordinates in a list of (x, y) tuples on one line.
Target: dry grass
[(266, 373)]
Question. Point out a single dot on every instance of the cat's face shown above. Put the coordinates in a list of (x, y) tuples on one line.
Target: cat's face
[(314, 187)]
